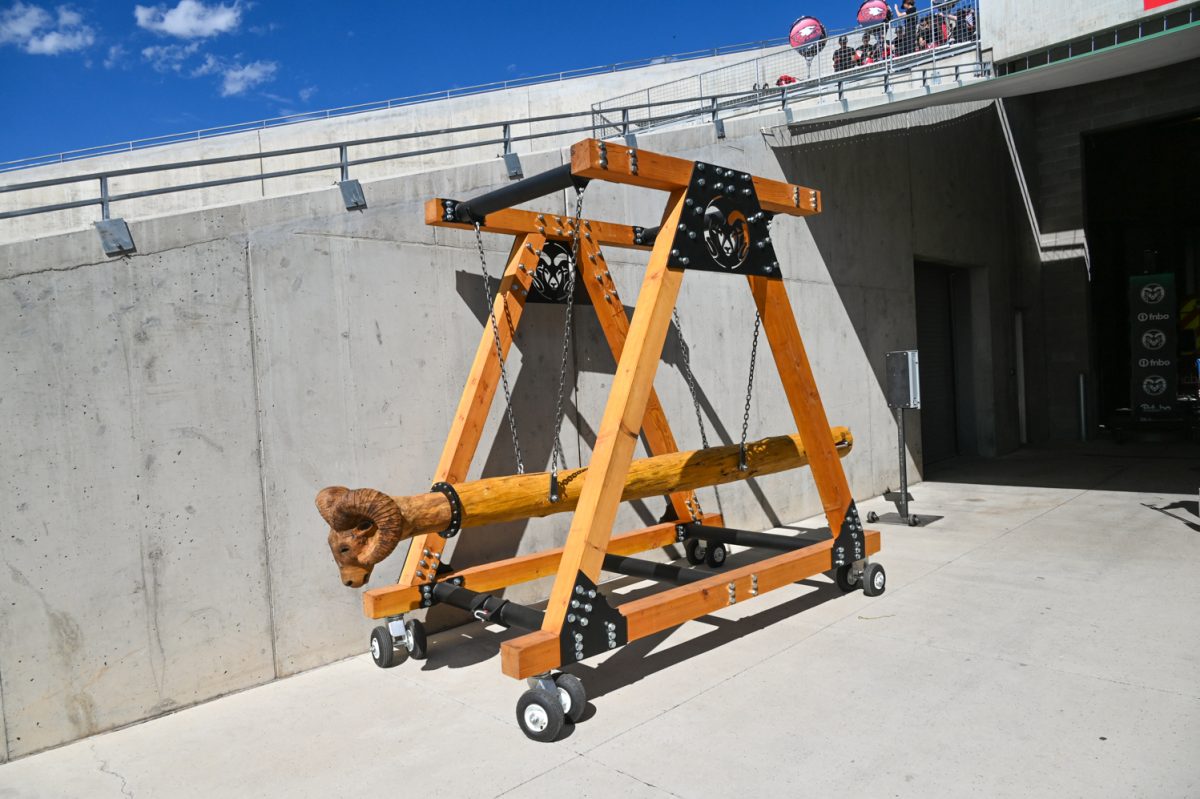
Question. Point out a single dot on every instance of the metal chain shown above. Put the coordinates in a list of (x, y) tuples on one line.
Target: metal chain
[(557, 454), (693, 502), (749, 393), (508, 405)]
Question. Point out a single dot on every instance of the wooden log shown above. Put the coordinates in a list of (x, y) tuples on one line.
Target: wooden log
[(366, 525)]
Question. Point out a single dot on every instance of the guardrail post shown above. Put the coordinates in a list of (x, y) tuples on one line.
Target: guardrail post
[(104, 197), (344, 161), (624, 121), (507, 138)]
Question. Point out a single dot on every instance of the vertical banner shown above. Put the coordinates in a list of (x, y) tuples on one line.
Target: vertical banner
[(1154, 372)]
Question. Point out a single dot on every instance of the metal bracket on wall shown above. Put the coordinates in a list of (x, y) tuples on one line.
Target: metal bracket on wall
[(115, 237), (352, 195), (719, 126), (512, 162)]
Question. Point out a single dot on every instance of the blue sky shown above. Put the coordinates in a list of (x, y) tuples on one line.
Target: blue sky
[(81, 74)]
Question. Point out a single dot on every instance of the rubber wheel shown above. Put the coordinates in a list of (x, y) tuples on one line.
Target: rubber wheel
[(418, 645), (872, 517), (540, 715), (913, 521), (572, 695), (717, 553), (874, 580), (695, 551), (844, 577), (383, 648)]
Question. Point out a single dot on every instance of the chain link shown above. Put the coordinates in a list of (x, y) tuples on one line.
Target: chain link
[(685, 364), (557, 455), (749, 393), (508, 405)]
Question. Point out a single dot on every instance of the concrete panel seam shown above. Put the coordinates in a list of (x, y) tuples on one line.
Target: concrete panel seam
[(4, 724), (262, 477)]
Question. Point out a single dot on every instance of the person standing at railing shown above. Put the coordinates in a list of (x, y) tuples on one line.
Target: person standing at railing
[(844, 56), (867, 52), (906, 32)]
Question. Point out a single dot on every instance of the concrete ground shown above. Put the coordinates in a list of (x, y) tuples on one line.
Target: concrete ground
[(1041, 639)]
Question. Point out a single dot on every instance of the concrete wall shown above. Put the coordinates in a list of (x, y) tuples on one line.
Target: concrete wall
[(1016, 27), (543, 99)]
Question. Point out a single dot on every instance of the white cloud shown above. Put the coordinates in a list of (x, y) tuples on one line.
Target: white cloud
[(35, 31), (190, 19), (116, 57), (169, 57), (239, 78), (307, 93)]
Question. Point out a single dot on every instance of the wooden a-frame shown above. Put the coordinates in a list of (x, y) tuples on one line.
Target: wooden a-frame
[(632, 407)]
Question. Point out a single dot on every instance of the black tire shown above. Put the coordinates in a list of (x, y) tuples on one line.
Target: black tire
[(874, 580), (872, 517), (913, 521), (418, 645), (540, 715), (695, 551), (572, 695), (383, 648), (843, 576), (717, 553)]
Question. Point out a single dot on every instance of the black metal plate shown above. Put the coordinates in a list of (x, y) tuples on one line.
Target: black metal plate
[(579, 639), (851, 543), (550, 278), (723, 228)]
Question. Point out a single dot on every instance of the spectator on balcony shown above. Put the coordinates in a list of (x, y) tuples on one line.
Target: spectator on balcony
[(964, 28), (924, 35), (867, 53), (906, 36), (843, 57), (905, 8)]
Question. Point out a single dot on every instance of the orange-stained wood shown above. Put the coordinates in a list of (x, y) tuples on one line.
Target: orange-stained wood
[(668, 173), (779, 325), (393, 600), (658, 612), (593, 270), (476, 400), (517, 222), (616, 438), (538, 652)]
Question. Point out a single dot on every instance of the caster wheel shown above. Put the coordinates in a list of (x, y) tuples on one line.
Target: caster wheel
[(540, 715), (717, 553), (872, 517), (846, 579), (417, 645), (572, 695), (383, 649), (913, 521), (874, 580), (695, 550)]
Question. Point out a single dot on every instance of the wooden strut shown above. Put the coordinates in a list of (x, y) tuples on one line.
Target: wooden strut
[(632, 408)]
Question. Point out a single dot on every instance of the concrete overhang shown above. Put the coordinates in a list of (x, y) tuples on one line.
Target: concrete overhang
[(1152, 52)]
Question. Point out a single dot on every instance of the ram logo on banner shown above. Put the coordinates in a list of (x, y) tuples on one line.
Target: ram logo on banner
[(1152, 344)]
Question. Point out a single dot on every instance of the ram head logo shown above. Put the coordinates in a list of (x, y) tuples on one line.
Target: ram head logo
[(1154, 385), (726, 233), (1154, 339), (553, 271), (1153, 293)]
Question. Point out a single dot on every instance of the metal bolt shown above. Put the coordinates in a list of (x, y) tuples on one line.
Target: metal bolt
[(579, 589), (578, 636), (746, 191), (682, 226), (689, 201), (610, 625), (762, 245), (691, 234), (591, 593), (574, 603), (424, 565), (675, 252), (700, 182), (587, 608), (437, 555), (571, 617), (684, 261), (612, 644), (718, 185), (421, 575), (425, 552), (700, 167), (583, 622), (541, 217), (606, 297)]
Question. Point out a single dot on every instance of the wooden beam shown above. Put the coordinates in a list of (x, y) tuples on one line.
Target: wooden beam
[(518, 222), (476, 400), (670, 608), (610, 311), (538, 652), (791, 360), (668, 173), (591, 527), (392, 600)]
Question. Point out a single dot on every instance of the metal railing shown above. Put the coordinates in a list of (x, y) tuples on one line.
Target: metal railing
[(381, 105), (917, 41)]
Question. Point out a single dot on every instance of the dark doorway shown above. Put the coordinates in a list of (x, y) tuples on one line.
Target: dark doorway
[(943, 331), (1141, 222)]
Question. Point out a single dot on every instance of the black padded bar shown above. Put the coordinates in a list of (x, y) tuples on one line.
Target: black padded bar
[(746, 538), (487, 608), (651, 233), (516, 193), (649, 570)]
